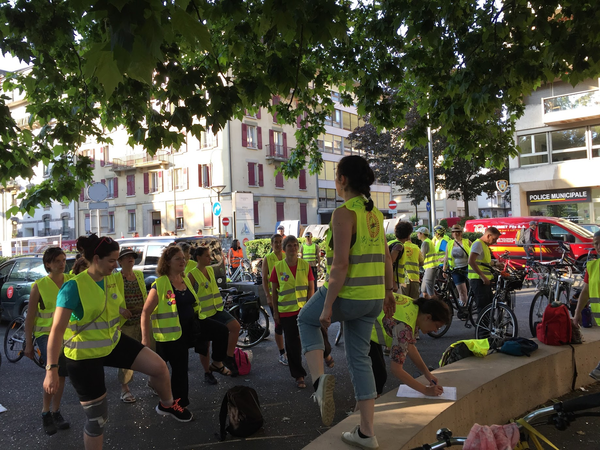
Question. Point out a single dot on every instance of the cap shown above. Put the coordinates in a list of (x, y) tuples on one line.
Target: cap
[(127, 251), (533, 222), (456, 227), (307, 234), (281, 227), (438, 229), (423, 230)]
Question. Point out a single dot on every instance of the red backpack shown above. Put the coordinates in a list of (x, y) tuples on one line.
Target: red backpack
[(242, 361), (555, 328)]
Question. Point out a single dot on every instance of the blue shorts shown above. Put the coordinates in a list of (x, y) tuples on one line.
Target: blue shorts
[(459, 275)]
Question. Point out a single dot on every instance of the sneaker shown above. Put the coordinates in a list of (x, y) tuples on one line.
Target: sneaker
[(283, 359), (60, 421), (176, 411), (210, 378), (324, 398), (352, 438), (595, 374), (48, 424)]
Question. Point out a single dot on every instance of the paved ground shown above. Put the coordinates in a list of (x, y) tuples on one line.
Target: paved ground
[(291, 417)]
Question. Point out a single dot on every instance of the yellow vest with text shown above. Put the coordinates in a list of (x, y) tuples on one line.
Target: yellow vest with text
[(410, 261), (208, 292), (48, 293), (440, 254), (139, 276), (165, 318), (97, 332), (271, 261), (365, 279), (487, 259), (466, 245), (593, 270), (406, 312), (430, 258), (309, 253), (293, 290)]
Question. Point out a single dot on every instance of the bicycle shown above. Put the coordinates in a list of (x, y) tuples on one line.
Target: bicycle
[(560, 415), (253, 318), (14, 342), (242, 273)]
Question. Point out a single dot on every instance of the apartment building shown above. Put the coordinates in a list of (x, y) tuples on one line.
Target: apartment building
[(559, 137)]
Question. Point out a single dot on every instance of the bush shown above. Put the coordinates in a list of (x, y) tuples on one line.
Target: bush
[(472, 236), (444, 223), (259, 248), (413, 238)]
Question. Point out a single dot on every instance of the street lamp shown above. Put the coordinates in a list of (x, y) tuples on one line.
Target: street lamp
[(218, 188)]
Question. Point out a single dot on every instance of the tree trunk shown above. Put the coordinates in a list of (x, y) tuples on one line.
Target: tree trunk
[(467, 212)]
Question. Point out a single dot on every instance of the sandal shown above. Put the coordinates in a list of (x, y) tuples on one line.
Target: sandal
[(222, 370), (300, 384), (330, 362), (127, 397)]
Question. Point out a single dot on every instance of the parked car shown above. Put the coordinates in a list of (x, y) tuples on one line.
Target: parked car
[(16, 277), (549, 232), (149, 250)]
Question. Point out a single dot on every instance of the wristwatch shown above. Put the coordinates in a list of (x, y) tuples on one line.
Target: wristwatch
[(51, 366)]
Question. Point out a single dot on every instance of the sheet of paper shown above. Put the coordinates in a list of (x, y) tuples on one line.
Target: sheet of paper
[(2, 409), (406, 391)]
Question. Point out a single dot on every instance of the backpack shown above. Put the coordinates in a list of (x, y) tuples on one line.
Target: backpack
[(242, 361), (518, 346), (241, 406), (520, 237), (463, 349), (391, 246), (555, 327)]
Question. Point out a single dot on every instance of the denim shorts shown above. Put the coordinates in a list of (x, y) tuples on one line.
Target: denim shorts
[(358, 317), (459, 275)]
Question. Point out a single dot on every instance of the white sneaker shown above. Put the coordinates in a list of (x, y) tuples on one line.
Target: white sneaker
[(352, 438), (283, 359), (595, 374), (324, 398)]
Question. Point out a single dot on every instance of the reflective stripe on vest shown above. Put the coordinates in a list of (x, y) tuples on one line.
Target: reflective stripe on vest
[(466, 245), (593, 270), (293, 290), (97, 332), (410, 260), (208, 292), (48, 292), (309, 252), (272, 259), (430, 257), (486, 258), (365, 279), (406, 312)]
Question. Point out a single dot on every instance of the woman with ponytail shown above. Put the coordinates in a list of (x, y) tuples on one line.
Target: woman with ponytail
[(359, 282)]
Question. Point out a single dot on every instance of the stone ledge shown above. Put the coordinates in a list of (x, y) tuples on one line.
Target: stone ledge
[(491, 390)]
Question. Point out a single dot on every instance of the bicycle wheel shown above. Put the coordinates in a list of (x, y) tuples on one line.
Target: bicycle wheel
[(563, 295), (248, 277), (471, 309), (14, 340), (254, 332), (443, 330), (536, 311), (496, 324), (540, 275), (37, 355)]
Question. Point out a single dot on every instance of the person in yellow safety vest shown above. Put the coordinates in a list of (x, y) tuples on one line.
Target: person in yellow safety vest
[(591, 294), (429, 262), (89, 309), (310, 252), (407, 274), (457, 260), (400, 333), (292, 287), (269, 262), (480, 272), (38, 322), (186, 248), (203, 279), (359, 283), (172, 314), (440, 242), (132, 286)]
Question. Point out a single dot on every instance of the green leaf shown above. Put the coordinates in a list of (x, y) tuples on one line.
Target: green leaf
[(108, 73)]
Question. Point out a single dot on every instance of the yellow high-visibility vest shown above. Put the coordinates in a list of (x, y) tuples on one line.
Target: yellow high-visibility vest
[(430, 258), (406, 312), (593, 270), (48, 293), (293, 290), (208, 292), (486, 259)]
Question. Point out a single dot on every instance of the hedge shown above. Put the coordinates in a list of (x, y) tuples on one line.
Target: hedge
[(259, 248)]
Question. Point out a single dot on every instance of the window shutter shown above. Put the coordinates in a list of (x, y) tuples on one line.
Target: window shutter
[(207, 178), (279, 180), (272, 150), (302, 180), (303, 214), (275, 103), (146, 183), (280, 211), (101, 156), (244, 135), (116, 187), (261, 178), (256, 217), (93, 155), (81, 197), (251, 178), (200, 175), (259, 137), (161, 186), (103, 181), (285, 145), (258, 113), (185, 178)]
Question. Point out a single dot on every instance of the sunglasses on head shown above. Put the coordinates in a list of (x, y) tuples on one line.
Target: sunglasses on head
[(106, 239)]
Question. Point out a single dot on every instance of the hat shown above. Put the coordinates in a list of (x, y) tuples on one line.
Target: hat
[(533, 222), (127, 251), (281, 227), (423, 230), (456, 227), (307, 234)]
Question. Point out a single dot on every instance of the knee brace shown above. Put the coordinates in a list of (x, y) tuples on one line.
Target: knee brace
[(97, 416)]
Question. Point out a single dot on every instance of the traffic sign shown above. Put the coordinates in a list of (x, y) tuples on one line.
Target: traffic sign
[(428, 206), (225, 221), (245, 241), (392, 204), (217, 209)]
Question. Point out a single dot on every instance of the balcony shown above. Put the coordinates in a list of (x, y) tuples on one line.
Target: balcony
[(572, 107), (276, 152), (142, 160)]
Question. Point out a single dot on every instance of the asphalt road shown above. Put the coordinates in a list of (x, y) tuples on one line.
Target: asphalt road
[(291, 417)]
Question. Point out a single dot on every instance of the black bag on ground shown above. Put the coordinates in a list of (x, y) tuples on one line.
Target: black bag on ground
[(240, 407)]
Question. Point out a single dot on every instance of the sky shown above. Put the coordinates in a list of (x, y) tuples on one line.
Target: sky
[(10, 64)]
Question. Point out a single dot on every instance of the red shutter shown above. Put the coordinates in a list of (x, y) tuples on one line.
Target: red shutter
[(259, 137), (258, 113), (275, 102), (279, 180), (81, 195), (101, 156), (103, 181), (251, 177), (272, 150), (208, 175), (244, 135), (285, 145), (146, 183), (185, 178), (261, 178), (302, 180), (200, 175), (256, 217), (280, 211), (116, 187), (303, 214), (161, 186)]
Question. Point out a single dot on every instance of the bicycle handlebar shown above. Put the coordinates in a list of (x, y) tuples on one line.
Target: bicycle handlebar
[(579, 404)]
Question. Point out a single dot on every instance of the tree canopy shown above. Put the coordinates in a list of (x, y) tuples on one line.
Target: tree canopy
[(153, 67)]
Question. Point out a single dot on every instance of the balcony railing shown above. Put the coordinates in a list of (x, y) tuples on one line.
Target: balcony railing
[(572, 107), (160, 159), (277, 152)]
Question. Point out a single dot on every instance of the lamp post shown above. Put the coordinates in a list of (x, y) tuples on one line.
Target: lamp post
[(218, 188)]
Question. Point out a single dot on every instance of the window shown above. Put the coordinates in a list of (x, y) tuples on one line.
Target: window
[(568, 145), (179, 224), (46, 170), (330, 143), (87, 224), (336, 97), (131, 220), (110, 184), (279, 180), (335, 119), (90, 154), (280, 211), (251, 136), (111, 222), (155, 182), (204, 175), (302, 180), (130, 185), (595, 131), (328, 198), (255, 174), (328, 171), (278, 142), (534, 149), (104, 157), (303, 214), (180, 178), (65, 226), (256, 216), (36, 271), (208, 140), (46, 226)]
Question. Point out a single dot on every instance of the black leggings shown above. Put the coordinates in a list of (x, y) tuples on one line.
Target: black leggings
[(293, 346), (378, 364)]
